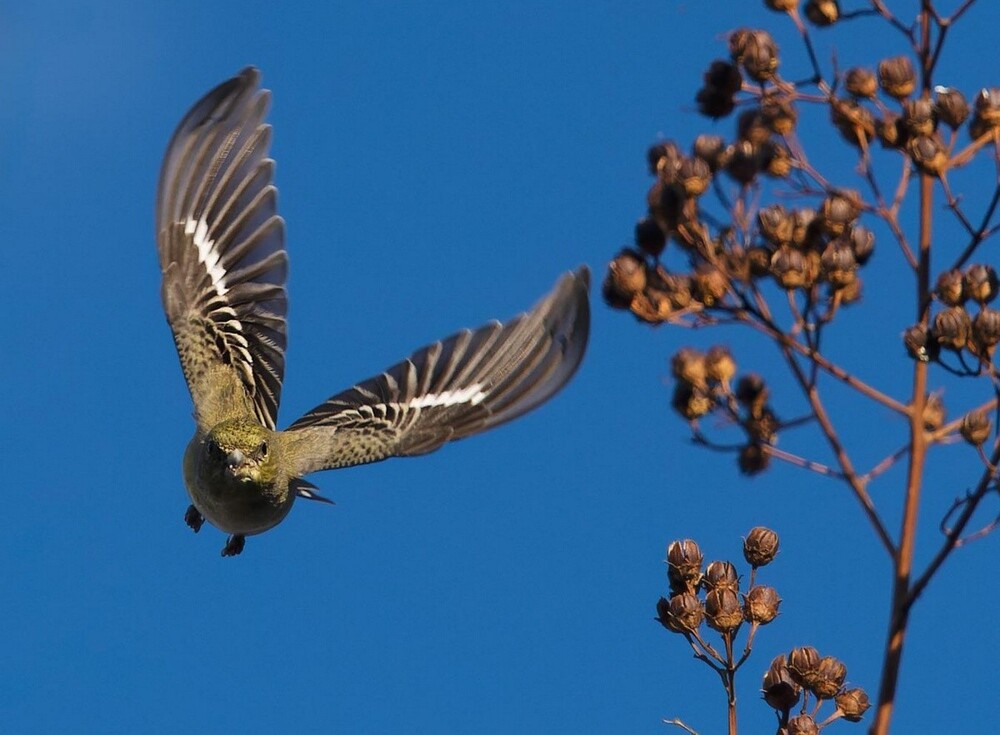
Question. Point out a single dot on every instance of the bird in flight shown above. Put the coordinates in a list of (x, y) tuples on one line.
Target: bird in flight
[(222, 254)]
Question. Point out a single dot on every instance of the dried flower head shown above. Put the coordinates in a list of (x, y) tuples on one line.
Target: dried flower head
[(786, 6), (803, 665), (952, 328), (650, 237), (987, 114), (897, 77), (719, 364), (861, 82), (929, 153), (934, 412), (694, 176), (760, 546), (862, 243), (976, 427), (830, 675), (822, 12), (760, 605), (779, 114), (920, 344), (839, 210), (691, 401), (951, 106), (781, 692), (801, 725), (753, 459), (776, 224), (684, 560), (919, 116), (721, 575), (709, 284), (839, 266), (986, 332), (710, 149), (756, 52), (723, 611), (626, 277), (794, 268), (682, 613), (743, 161), (853, 703), (853, 121), (688, 365), (981, 283), (950, 288)]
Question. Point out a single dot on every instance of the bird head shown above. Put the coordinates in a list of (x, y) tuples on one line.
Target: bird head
[(242, 451)]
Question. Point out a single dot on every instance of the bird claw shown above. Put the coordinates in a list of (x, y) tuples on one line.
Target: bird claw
[(194, 519), (234, 545)]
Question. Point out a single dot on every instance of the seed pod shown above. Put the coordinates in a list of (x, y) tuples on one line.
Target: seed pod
[(753, 459), (786, 6), (710, 284), (803, 663), (986, 332), (988, 107), (688, 365), (918, 116), (929, 153), (694, 176), (896, 77), (981, 283), (853, 703), (723, 611), (759, 261), (710, 149), (721, 575), (713, 103), (950, 288), (751, 391), (802, 725), (952, 328), (891, 131), (751, 126), (976, 427), (664, 158), (760, 546), (760, 605), (862, 243), (626, 277), (861, 82), (684, 561), (776, 225), (779, 114), (682, 613), (934, 412), (790, 268), (919, 343), (951, 107), (691, 401), (838, 263), (742, 161), (830, 675), (762, 426), (839, 210), (776, 159), (854, 121), (719, 364), (756, 52), (780, 691), (822, 13), (805, 225)]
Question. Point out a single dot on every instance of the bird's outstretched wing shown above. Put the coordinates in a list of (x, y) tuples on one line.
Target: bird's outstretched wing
[(470, 382), (222, 253)]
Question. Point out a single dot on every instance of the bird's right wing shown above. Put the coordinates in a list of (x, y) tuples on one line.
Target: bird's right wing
[(222, 253), (465, 384)]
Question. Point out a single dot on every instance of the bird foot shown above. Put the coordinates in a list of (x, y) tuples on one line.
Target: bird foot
[(234, 545), (194, 519)]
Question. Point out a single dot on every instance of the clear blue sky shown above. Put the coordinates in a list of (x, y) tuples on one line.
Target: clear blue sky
[(438, 166)]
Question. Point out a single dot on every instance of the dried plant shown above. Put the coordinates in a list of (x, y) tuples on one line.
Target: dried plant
[(749, 232)]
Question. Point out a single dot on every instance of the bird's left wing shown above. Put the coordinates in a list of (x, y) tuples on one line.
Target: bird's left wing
[(460, 386), (222, 253)]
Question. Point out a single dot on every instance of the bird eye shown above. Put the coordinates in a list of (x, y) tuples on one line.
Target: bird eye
[(263, 449), (212, 447)]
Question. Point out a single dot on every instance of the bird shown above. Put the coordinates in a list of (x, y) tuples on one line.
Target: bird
[(224, 265)]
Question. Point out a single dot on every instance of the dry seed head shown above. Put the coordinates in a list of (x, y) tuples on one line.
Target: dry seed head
[(682, 613), (751, 391), (694, 176), (650, 237), (988, 107), (684, 561), (838, 263), (804, 223), (897, 77), (950, 288), (776, 224), (891, 131), (760, 546), (850, 293), (780, 691), (986, 331), (776, 159), (853, 120), (822, 12), (862, 243), (934, 412), (762, 426), (721, 575), (688, 365), (830, 675), (981, 283), (753, 459), (752, 126), (781, 5), (723, 611), (853, 703), (760, 605), (756, 52), (663, 159), (919, 117), (710, 149), (952, 328), (779, 114), (803, 663), (626, 277), (839, 210), (759, 261), (951, 106), (792, 269), (710, 284), (743, 161), (929, 153), (713, 103), (919, 343), (861, 82), (719, 364), (976, 427), (690, 401), (801, 725)]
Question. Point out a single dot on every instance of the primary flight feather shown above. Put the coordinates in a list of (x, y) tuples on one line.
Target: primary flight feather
[(224, 264)]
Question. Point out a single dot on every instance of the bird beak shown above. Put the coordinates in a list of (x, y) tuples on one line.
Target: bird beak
[(235, 459)]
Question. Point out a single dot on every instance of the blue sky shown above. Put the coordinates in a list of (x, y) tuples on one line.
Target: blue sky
[(438, 165)]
